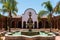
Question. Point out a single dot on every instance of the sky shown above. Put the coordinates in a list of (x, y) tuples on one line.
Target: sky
[(22, 5)]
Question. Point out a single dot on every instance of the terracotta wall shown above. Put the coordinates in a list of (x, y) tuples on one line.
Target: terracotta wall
[(54, 21)]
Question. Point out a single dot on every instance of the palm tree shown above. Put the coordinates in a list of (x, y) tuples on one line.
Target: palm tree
[(57, 11), (49, 7), (40, 14), (57, 8), (10, 7)]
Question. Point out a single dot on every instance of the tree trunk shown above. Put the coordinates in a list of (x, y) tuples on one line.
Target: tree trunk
[(50, 21), (10, 18)]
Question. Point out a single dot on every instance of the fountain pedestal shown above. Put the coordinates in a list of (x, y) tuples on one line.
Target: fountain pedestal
[(30, 22)]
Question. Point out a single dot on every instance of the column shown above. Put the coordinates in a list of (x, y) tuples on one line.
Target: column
[(26, 25), (37, 24), (22, 24)]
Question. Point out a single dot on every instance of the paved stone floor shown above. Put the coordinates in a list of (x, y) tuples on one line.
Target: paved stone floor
[(56, 38)]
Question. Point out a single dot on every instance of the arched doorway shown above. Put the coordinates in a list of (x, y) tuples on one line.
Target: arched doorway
[(24, 24), (35, 24), (13, 24), (40, 24), (19, 24), (47, 24)]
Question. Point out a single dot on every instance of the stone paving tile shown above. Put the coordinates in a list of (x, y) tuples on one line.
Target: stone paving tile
[(57, 38)]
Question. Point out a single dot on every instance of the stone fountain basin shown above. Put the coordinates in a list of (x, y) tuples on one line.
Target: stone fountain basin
[(30, 34)]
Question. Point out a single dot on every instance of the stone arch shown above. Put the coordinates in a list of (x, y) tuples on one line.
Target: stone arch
[(25, 16), (40, 24), (29, 9), (47, 24), (19, 24), (13, 24), (35, 24), (24, 24)]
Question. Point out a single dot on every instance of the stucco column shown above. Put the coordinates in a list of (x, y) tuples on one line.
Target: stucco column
[(26, 24), (22, 24), (37, 24)]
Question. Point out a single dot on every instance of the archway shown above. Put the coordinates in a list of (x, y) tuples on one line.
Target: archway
[(35, 24), (24, 24), (19, 24), (47, 24), (13, 24), (40, 24)]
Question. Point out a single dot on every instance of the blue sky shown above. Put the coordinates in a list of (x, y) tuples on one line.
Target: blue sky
[(35, 4)]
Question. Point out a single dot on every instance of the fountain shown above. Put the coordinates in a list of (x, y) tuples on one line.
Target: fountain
[(30, 32), (30, 24)]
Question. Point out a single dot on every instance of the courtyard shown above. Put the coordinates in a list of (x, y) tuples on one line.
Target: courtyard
[(29, 20)]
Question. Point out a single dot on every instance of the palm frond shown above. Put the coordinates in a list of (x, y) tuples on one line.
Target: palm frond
[(0, 15), (43, 12), (9, 5), (2, 1), (14, 13), (48, 5), (57, 8)]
